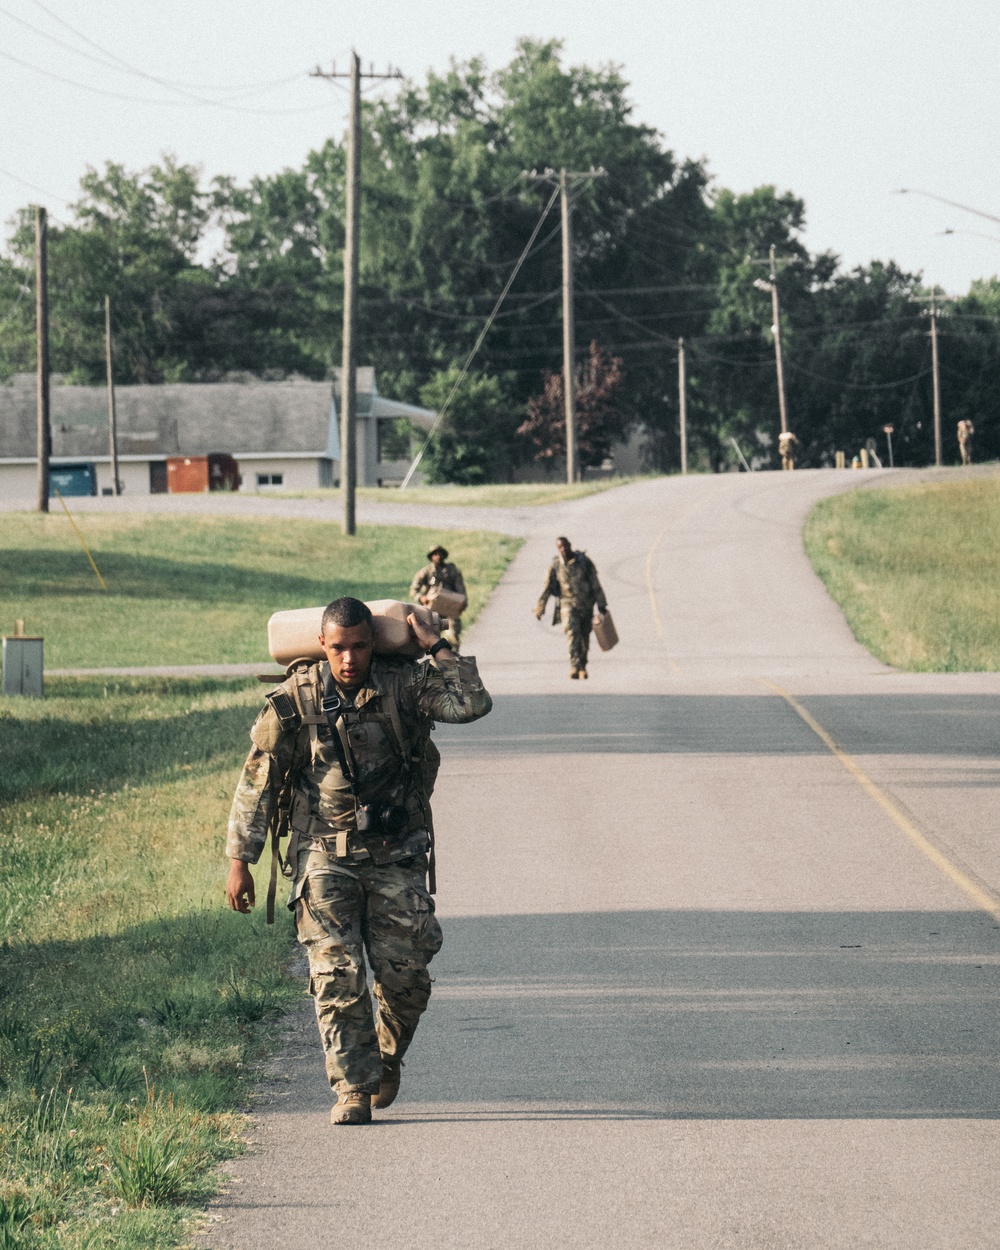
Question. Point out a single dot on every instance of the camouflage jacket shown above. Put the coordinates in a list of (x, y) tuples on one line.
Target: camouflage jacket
[(574, 582), (447, 576), (386, 741)]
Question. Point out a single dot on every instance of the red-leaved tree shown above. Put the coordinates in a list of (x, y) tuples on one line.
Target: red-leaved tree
[(599, 422)]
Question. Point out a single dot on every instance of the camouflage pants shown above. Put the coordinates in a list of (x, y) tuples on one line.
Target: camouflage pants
[(386, 913), (577, 625)]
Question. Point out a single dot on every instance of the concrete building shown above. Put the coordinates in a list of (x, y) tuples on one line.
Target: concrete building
[(285, 435)]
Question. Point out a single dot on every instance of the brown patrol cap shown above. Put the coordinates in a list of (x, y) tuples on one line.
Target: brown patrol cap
[(434, 551)]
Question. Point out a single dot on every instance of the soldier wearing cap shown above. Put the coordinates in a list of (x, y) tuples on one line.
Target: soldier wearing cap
[(574, 583), (449, 577)]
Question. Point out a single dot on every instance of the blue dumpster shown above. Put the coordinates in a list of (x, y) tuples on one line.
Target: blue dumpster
[(72, 479)]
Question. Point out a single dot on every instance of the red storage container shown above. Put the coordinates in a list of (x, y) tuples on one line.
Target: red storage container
[(187, 474)]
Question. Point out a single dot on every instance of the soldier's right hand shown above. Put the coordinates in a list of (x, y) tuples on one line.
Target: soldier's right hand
[(539, 613), (239, 887)]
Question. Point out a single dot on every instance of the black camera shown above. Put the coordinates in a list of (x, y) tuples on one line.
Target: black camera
[(389, 819)]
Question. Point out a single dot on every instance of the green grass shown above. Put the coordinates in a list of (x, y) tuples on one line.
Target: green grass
[(516, 495), (134, 1007), (916, 571), (198, 590)]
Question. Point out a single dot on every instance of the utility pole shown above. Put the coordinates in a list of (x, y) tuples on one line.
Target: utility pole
[(352, 229), (936, 378), (682, 404), (566, 181), (772, 286), (112, 414), (42, 348), (933, 299), (569, 336)]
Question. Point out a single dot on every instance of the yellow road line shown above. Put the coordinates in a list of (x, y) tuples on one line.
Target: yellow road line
[(654, 607), (986, 902)]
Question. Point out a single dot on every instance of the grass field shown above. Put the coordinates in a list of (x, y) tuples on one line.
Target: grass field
[(199, 590), (134, 1007), (916, 571), (518, 495)]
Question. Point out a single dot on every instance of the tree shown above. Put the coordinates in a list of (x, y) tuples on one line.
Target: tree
[(599, 423), (472, 443)]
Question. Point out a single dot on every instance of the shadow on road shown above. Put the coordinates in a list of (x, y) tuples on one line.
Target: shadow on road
[(716, 1014), (896, 724)]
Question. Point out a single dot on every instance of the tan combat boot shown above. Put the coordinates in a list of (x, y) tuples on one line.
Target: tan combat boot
[(389, 1087), (354, 1107)]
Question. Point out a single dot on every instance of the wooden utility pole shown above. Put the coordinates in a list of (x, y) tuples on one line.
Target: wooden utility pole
[(936, 378), (112, 414), (352, 229), (779, 364), (569, 381), (42, 348), (566, 181), (682, 404)]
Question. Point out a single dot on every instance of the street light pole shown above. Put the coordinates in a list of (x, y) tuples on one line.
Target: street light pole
[(779, 363), (682, 404)]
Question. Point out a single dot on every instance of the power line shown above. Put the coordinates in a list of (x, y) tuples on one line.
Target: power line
[(479, 341), (35, 187), (132, 99)]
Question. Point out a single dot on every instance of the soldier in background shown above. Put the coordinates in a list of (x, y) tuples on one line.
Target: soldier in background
[(574, 583), (345, 744), (449, 577), (787, 443), (965, 432)]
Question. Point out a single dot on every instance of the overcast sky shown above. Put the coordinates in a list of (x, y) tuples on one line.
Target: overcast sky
[(841, 102)]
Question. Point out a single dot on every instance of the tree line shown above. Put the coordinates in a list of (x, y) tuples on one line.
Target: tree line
[(208, 280)]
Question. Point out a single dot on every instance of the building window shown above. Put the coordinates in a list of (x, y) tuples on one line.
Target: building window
[(270, 479), (394, 439)]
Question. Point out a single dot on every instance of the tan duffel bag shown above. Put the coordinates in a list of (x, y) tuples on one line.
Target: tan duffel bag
[(445, 602), (294, 634), (604, 631)]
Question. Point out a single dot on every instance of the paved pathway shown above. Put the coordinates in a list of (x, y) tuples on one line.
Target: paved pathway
[(722, 939)]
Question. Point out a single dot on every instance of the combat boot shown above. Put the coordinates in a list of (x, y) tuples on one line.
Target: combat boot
[(389, 1087), (573, 674), (582, 674), (354, 1107)]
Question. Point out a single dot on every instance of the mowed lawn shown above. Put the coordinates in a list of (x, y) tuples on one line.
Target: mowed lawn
[(135, 1009), (916, 571), (199, 590)]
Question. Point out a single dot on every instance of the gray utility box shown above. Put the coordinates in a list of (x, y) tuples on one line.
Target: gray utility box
[(22, 667)]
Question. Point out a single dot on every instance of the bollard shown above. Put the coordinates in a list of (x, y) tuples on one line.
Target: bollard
[(22, 664)]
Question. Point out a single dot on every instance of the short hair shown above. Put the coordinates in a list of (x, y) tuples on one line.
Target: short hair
[(346, 613), (560, 541)]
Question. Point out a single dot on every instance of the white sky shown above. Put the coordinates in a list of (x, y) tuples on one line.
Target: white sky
[(840, 102)]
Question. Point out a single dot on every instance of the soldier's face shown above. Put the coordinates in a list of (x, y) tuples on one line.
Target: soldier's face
[(349, 651), (564, 549), (436, 558)]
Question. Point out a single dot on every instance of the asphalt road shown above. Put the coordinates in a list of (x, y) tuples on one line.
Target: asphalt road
[(722, 937)]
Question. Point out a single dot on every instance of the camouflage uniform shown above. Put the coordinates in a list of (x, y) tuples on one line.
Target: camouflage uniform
[(356, 893), (576, 586), (965, 432), (787, 443), (449, 577)]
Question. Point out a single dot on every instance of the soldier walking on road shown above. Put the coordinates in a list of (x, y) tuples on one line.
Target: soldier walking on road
[(342, 751), (449, 577), (787, 443), (965, 432), (574, 583)]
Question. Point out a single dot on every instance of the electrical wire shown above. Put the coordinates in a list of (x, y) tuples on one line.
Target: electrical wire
[(132, 99), (35, 187), (112, 59), (479, 341), (858, 386)]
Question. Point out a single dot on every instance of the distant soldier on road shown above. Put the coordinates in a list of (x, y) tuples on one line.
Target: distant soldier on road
[(965, 432), (449, 577), (342, 752), (573, 581), (787, 443)]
